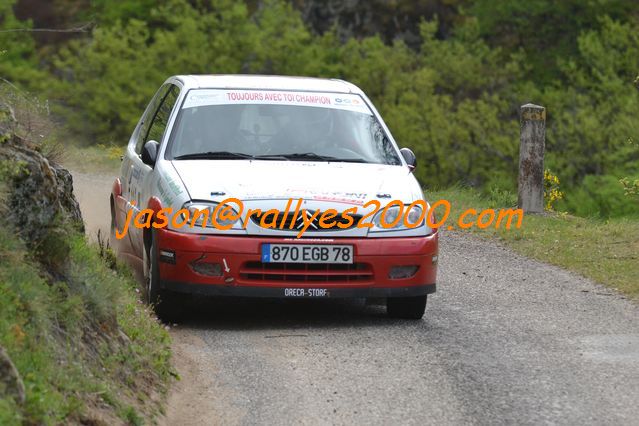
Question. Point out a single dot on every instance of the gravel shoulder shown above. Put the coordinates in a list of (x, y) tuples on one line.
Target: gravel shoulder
[(505, 339)]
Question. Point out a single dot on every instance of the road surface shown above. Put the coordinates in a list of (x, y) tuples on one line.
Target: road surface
[(504, 340)]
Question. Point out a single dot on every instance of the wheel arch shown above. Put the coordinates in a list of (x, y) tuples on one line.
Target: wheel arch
[(155, 205)]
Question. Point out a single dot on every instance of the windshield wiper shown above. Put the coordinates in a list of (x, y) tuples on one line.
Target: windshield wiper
[(313, 156), (270, 157), (215, 155), (227, 155)]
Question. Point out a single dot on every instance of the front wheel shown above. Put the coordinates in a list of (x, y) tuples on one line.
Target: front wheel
[(166, 304), (406, 307)]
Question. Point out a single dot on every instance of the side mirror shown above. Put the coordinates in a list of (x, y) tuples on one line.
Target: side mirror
[(409, 157), (150, 153)]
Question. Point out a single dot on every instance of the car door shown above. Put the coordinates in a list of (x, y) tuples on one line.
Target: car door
[(129, 172), (139, 179)]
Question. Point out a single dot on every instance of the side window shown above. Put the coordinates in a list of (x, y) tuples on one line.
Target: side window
[(161, 119), (143, 129)]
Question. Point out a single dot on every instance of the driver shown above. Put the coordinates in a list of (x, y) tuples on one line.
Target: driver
[(306, 129)]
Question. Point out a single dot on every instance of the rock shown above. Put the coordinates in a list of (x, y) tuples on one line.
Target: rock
[(39, 196), (10, 383)]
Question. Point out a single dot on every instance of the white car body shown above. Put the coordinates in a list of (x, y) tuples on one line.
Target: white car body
[(259, 184)]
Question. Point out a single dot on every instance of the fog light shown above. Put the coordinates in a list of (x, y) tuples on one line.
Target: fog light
[(398, 272), (207, 268)]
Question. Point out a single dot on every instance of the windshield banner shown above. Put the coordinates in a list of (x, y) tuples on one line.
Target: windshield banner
[(206, 97)]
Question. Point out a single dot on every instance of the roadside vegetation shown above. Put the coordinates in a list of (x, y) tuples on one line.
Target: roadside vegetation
[(93, 158), (604, 250), (447, 75), (85, 349), (77, 346)]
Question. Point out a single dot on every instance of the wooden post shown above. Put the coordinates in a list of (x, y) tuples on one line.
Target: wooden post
[(531, 158)]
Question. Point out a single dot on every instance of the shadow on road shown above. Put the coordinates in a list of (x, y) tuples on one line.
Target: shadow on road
[(274, 314)]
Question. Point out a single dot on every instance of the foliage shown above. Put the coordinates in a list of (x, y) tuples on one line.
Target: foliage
[(18, 60), (104, 159), (449, 88), (391, 20), (593, 118), (600, 196), (109, 12), (459, 131), (66, 338), (546, 30), (630, 187), (564, 240), (184, 41), (84, 347)]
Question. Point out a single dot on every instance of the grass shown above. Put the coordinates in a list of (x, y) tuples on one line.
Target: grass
[(92, 159), (85, 347), (606, 251), (83, 344)]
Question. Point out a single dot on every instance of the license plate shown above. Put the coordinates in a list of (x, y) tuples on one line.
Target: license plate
[(306, 253)]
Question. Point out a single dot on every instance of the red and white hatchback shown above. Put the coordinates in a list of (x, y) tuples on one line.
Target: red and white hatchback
[(294, 148)]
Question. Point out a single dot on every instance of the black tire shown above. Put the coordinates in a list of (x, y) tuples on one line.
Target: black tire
[(112, 230), (166, 304), (406, 307)]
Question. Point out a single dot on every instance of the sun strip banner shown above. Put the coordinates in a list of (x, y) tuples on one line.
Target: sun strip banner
[(206, 97)]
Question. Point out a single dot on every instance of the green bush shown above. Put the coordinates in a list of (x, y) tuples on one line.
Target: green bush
[(18, 59), (591, 120), (453, 98), (602, 197), (545, 29)]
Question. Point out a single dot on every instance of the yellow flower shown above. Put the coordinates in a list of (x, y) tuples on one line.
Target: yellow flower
[(551, 189)]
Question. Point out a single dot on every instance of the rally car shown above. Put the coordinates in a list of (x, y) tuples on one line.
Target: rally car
[(271, 143)]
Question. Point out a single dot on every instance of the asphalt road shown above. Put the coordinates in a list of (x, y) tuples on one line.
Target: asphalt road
[(505, 340)]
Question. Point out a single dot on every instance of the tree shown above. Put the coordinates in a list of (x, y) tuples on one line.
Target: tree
[(18, 62), (546, 30), (106, 81)]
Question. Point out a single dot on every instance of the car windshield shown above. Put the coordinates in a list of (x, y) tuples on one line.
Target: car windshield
[(275, 125)]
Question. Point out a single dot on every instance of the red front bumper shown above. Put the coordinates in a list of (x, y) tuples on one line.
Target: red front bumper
[(243, 273)]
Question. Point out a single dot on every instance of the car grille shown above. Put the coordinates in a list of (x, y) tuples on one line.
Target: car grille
[(306, 272), (313, 227)]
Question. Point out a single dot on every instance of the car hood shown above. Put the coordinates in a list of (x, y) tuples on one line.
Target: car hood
[(349, 183)]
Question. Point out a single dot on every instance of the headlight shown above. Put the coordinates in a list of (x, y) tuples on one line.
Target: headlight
[(395, 218), (204, 211)]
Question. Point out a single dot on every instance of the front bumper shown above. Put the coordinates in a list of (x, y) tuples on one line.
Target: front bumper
[(243, 274)]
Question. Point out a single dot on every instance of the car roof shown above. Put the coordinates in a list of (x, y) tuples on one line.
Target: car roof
[(270, 82)]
